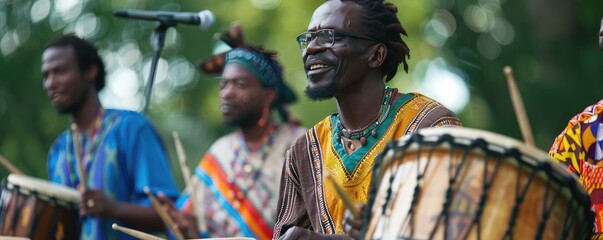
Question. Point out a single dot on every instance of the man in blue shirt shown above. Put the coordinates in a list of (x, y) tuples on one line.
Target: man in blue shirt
[(120, 151)]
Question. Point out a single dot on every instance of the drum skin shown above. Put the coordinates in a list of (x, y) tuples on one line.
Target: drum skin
[(472, 184), (37, 209)]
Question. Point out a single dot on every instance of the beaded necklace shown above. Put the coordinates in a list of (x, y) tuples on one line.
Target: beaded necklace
[(362, 133), (242, 168), (91, 147)]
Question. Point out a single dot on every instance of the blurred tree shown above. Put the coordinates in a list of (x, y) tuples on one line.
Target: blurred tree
[(552, 47)]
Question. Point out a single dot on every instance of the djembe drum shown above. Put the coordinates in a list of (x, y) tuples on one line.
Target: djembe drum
[(38, 209), (459, 183)]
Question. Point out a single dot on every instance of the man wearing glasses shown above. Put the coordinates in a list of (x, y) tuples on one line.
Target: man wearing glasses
[(350, 48)]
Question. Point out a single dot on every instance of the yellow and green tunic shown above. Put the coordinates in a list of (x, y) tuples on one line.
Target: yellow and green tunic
[(304, 199)]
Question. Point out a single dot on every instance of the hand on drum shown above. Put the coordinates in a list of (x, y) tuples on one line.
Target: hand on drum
[(352, 226), (187, 223), (297, 233), (94, 202)]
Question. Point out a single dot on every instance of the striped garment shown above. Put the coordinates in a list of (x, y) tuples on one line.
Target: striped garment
[(579, 148), (236, 190), (305, 200)]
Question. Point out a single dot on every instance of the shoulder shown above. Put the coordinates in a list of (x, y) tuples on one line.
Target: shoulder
[(433, 113), (59, 142), (589, 115), (127, 121), (127, 116), (223, 141), (291, 130)]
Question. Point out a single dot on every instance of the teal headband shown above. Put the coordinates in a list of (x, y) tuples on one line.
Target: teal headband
[(267, 70)]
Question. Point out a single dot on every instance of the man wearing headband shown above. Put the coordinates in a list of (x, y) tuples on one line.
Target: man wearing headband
[(238, 178), (580, 148), (351, 48)]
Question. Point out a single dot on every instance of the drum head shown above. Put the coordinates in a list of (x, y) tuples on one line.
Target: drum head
[(44, 189)]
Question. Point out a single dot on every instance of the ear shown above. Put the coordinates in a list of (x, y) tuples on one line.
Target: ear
[(269, 96), (92, 73), (377, 55)]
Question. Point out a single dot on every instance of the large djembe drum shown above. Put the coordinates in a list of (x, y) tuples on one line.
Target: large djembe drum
[(459, 183), (38, 209)]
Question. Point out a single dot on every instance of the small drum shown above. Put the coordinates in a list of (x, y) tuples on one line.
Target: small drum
[(38, 209), (459, 183)]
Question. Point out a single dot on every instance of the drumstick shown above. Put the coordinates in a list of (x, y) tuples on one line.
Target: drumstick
[(344, 196), (520, 112), (186, 173), (135, 233), (78, 158), (182, 159), (10, 166), (164, 216)]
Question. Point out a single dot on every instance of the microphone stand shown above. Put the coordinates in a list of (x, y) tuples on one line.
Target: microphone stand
[(162, 26)]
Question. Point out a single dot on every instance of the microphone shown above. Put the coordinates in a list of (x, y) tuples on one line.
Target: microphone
[(204, 18)]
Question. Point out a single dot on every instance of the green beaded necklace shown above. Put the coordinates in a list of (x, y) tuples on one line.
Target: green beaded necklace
[(371, 129)]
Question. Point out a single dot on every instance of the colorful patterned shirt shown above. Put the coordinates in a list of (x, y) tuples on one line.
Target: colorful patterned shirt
[(236, 189), (306, 201), (578, 147), (121, 157)]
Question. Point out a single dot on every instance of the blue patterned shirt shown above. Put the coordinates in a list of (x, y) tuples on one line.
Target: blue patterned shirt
[(123, 157)]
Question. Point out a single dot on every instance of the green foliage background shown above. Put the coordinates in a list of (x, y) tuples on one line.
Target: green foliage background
[(553, 49)]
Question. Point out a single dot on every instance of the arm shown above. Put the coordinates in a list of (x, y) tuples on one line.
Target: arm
[(94, 202), (290, 209), (298, 233), (145, 164)]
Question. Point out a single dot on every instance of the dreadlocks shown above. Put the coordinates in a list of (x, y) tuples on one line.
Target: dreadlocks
[(381, 20)]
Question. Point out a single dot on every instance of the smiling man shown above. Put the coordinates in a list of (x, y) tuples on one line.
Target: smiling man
[(349, 50), (120, 151)]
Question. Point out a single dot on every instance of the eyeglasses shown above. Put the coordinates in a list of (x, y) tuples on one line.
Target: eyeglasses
[(326, 37)]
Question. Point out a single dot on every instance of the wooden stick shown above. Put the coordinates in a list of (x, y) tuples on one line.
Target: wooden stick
[(10, 166), (186, 174), (164, 216), (135, 233), (520, 112), (78, 158), (349, 204)]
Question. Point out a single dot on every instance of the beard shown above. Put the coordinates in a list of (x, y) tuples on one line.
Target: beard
[(244, 121), (75, 106), (322, 93)]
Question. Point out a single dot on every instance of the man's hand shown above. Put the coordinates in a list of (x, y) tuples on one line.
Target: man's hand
[(354, 225), (186, 222), (95, 202), (297, 233)]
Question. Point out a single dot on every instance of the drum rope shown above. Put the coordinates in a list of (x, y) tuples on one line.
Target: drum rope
[(547, 208), (483, 145), (519, 194)]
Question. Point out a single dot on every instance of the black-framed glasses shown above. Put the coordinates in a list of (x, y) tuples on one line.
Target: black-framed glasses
[(326, 37)]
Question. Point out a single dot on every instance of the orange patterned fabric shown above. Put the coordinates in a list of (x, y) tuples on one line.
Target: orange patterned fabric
[(578, 147)]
